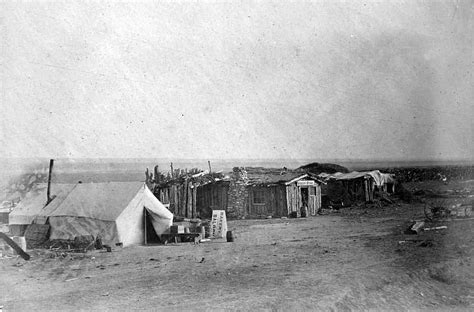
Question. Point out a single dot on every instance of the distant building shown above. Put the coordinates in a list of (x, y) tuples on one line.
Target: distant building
[(245, 193), (258, 192), (356, 186), (190, 196)]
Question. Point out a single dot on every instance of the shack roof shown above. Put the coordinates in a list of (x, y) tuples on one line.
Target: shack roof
[(201, 178), (271, 176), (379, 177), (344, 176)]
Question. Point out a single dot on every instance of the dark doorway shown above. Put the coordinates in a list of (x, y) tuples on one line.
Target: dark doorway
[(304, 202), (304, 196), (150, 234)]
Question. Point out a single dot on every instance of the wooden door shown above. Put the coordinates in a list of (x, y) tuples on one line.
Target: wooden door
[(312, 201)]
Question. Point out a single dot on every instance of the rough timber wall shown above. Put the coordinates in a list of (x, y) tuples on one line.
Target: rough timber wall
[(210, 197), (273, 204), (293, 199)]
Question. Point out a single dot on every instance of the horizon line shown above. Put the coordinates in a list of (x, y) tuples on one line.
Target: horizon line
[(168, 159)]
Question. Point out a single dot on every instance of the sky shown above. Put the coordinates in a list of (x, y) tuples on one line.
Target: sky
[(228, 80)]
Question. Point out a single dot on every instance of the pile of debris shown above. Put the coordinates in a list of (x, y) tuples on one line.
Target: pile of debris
[(458, 193), (441, 212), (197, 230), (443, 173)]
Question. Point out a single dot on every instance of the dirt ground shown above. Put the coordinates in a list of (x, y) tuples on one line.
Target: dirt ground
[(353, 259)]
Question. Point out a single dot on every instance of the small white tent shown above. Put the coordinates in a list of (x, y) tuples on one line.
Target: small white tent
[(28, 208), (34, 204), (113, 210)]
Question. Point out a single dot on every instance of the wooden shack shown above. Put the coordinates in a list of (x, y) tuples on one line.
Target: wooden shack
[(192, 196), (283, 194), (245, 193), (355, 186), (212, 196)]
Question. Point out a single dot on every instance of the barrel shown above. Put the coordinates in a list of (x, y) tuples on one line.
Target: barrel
[(230, 237), (202, 231)]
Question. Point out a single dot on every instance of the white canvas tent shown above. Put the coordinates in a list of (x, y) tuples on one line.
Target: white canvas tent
[(28, 208), (114, 211), (34, 204)]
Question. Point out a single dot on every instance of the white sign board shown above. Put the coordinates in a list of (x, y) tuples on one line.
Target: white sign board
[(305, 183), (218, 224)]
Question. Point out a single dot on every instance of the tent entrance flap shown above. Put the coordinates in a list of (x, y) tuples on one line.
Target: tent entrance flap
[(148, 229), (161, 222)]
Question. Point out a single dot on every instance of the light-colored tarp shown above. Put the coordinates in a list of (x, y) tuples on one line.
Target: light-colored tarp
[(379, 178), (68, 228), (389, 178), (28, 208), (33, 204), (343, 176), (161, 217)]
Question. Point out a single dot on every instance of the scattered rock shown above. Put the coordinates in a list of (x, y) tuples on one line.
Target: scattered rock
[(426, 243)]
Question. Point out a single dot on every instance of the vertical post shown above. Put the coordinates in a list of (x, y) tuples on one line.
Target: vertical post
[(48, 192), (366, 191), (144, 225), (209, 164), (189, 200), (288, 199), (300, 200), (195, 201), (372, 189), (157, 174)]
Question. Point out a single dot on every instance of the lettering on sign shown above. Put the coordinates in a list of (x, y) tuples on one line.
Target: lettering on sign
[(305, 183), (218, 224)]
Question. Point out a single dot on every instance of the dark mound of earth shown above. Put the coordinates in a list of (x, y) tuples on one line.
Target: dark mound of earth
[(317, 168)]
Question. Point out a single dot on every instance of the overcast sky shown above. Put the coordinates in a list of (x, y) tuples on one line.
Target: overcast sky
[(320, 79)]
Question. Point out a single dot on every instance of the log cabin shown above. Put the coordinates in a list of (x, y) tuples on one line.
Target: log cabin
[(244, 193), (275, 193)]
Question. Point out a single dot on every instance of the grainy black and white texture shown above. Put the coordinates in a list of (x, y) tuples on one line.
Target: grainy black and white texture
[(252, 79)]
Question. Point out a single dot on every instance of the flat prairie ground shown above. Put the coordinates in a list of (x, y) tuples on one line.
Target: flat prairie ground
[(350, 260)]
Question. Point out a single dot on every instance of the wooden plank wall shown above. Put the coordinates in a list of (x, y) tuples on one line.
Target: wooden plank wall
[(293, 198), (371, 190), (275, 201), (213, 196), (182, 198), (360, 189), (318, 196), (195, 215), (189, 201), (282, 211)]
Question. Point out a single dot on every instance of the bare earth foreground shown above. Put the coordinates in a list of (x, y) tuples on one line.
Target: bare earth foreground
[(358, 259)]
